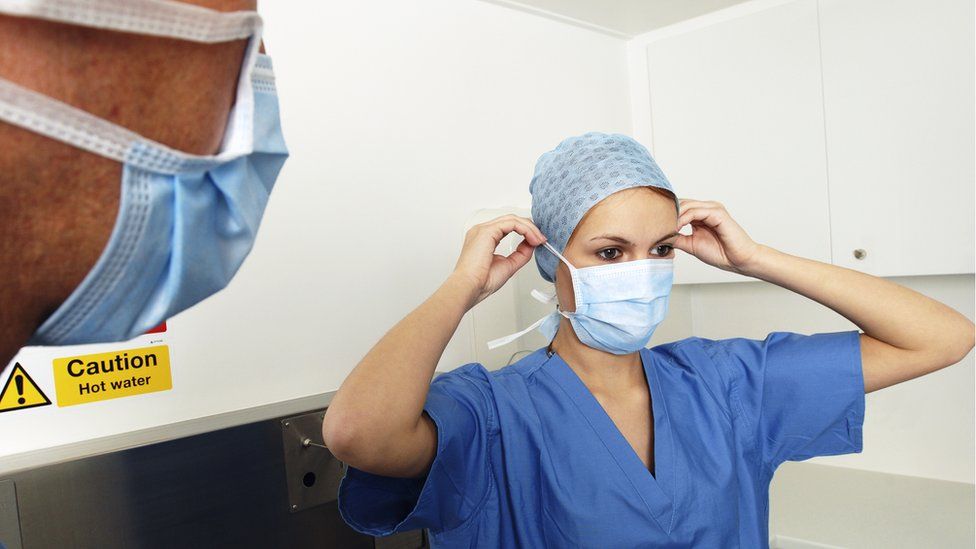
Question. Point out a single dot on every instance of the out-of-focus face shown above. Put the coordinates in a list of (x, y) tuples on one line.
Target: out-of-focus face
[(107, 74), (632, 224)]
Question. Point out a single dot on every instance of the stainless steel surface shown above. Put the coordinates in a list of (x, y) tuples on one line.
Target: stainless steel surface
[(226, 488), (86, 448), (9, 517), (406, 540), (312, 472)]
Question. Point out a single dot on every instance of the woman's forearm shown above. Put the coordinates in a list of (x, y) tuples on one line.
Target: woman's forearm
[(899, 316), (376, 421), (384, 395)]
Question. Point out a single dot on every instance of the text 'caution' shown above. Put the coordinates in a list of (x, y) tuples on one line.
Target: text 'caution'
[(103, 376)]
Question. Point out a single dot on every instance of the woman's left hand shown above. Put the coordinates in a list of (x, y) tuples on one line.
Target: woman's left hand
[(715, 237)]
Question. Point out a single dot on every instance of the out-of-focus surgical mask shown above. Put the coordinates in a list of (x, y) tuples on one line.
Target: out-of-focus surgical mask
[(618, 306), (185, 222)]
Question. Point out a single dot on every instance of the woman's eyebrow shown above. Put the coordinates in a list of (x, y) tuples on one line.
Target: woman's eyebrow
[(667, 237), (626, 242), (615, 238)]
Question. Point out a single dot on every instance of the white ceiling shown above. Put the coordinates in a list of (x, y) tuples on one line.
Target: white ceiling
[(624, 17)]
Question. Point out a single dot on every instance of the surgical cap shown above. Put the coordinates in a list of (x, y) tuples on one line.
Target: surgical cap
[(577, 174)]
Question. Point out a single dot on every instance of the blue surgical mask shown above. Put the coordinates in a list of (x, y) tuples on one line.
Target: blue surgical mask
[(618, 306), (185, 222)]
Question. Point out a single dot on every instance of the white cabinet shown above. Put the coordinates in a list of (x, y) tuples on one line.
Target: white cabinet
[(737, 117), (898, 96), (824, 128)]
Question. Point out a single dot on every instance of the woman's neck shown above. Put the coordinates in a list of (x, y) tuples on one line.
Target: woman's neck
[(601, 372)]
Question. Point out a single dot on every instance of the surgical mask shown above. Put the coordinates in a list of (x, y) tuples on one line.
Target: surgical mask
[(618, 306), (185, 222)]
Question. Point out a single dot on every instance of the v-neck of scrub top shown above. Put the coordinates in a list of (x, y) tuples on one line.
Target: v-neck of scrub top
[(656, 490)]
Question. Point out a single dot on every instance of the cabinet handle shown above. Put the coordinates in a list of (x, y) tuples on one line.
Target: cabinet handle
[(859, 253)]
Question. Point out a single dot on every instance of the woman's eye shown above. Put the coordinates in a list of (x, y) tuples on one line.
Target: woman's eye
[(667, 249), (609, 254)]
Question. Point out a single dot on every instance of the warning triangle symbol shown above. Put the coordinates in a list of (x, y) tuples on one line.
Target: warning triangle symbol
[(21, 392)]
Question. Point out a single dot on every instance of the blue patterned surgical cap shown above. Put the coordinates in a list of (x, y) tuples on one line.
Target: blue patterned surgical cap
[(577, 174)]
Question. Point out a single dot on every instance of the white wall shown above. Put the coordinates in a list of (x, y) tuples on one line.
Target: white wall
[(403, 118)]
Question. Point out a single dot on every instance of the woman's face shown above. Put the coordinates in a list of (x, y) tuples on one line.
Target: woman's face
[(632, 224)]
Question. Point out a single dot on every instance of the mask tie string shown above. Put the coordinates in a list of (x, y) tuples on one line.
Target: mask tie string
[(539, 296)]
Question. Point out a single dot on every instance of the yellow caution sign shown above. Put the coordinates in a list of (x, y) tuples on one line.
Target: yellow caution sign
[(103, 376), (21, 392)]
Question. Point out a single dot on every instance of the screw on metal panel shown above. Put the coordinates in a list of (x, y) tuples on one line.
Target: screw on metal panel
[(306, 442), (860, 253), (294, 507)]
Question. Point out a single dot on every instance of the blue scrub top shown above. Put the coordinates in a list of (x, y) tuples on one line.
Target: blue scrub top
[(527, 457)]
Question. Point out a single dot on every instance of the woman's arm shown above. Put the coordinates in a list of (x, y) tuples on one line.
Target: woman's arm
[(906, 334), (375, 422)]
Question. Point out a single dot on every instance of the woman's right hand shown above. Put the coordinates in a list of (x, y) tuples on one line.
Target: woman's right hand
[(487, 271)]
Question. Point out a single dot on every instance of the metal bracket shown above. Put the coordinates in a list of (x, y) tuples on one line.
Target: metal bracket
[(313, 473)]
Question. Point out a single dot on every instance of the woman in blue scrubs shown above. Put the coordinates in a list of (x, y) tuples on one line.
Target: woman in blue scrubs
[(596, 440)]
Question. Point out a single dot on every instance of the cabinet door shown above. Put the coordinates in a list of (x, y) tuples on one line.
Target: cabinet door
[(898, 95), (737, 117)]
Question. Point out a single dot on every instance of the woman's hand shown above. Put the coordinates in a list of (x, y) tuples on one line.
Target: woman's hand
[(487, 271), (715, 237), (375, 421)]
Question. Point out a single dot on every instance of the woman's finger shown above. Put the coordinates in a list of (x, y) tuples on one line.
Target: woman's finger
[(710, 215), (501, 227), (684, 216), (525, 221), (690, 203), (686, 203), (684, 243), (503, 268), (521, 256)]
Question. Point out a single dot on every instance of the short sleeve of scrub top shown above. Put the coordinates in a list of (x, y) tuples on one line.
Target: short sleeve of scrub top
[(800, 396), (458, 480)]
